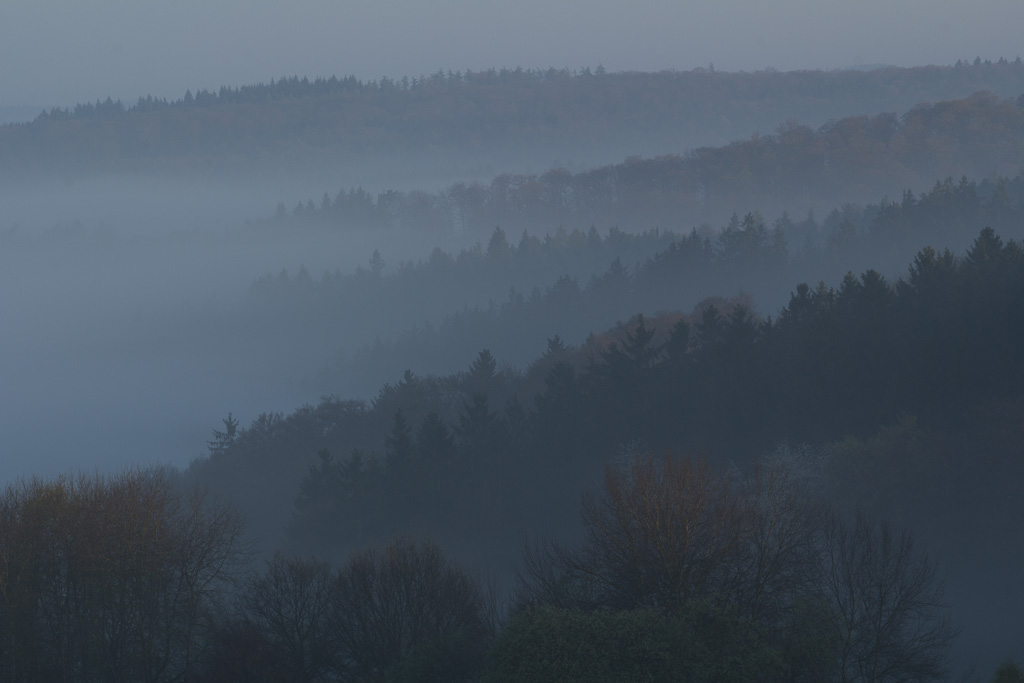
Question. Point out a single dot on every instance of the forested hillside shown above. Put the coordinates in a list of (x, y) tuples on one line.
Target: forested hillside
[(790, 167), (878, 392), (518, 293), (732, 391), (838, 360), (508, 118)]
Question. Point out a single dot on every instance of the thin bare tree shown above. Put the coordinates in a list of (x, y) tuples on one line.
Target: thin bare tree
[(892, 622)]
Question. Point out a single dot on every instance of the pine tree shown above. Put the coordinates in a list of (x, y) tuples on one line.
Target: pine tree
[(222, 440)]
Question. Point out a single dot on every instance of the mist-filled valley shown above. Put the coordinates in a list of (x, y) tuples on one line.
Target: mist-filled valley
[(350, 335)]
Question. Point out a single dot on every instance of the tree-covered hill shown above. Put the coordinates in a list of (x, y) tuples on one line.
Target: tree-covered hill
[(753, 396), (507, 118), (838, 360), (790, 168), (901, 397), (516, 293)]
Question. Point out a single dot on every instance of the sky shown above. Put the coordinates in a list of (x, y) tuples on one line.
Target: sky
[(60, 52)]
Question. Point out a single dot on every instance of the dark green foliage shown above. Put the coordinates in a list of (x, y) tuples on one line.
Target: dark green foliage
[(709, 329), (479, 430), (338, 490), (807, 640), (548, 644), (399, 449), (482, 374), (222, 440), (702, 644), (678, 342), (1008, 672), (435, 443)]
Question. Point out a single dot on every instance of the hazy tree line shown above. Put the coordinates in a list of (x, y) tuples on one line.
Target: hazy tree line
[(854, 159), (517, 293), (747, 476), (567, 112), (443, 283), (680, 567), (295, 87), (681, 571), (906, 393), (836, 361), (726, 578), (475, 458)]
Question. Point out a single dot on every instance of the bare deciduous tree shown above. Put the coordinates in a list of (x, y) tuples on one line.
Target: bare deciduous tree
[(403, 599), (892, 623), (779, 556), (852, 603), (108, 578), (660, 533), (291, 604)]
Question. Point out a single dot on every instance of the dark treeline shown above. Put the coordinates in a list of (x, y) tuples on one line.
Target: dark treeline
[(568, 113), (477, 458), (111, 578), (725, 567), (455, 456), (683, 571), (516, 294), (423, 299)]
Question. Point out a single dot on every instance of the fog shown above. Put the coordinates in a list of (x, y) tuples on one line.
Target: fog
[(126, 347), (67, 52), (454, 243), (129, 313)]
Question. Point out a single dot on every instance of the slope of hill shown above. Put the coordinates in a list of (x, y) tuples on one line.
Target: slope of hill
[(508, 119), (900, 410), (796, 169)]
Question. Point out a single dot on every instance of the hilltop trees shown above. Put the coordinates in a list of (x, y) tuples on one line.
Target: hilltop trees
[(838, 361), (109, 578), (734, 567), (511, 113), (408, 606), (656, 271), (403, 612), (853, 159), (708, 550), (748, 578), (669, 533), (889, 617), (290, 605)]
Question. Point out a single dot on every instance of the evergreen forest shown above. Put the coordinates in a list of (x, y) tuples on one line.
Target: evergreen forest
[(518, 375)]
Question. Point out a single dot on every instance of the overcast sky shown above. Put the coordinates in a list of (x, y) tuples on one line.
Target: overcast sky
[(58, 52)]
